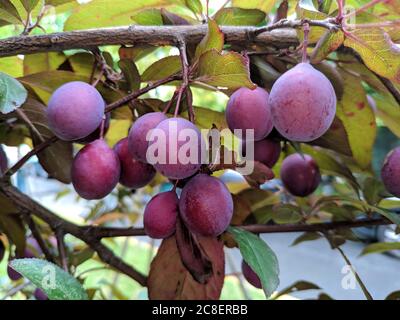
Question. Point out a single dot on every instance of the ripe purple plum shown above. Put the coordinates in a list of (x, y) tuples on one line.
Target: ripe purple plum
[(39, 294), (250, 275), (3, 161), (266, 151), (177, 148), (249, 109), (300, 174), (390, 172), (96, 134), (75, 110), (137, 135), (134, 173), (95, 170), (160, 215), (206, 206), (303, 103)]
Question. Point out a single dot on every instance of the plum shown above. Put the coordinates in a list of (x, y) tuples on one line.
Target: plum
[(249, 109), (177, 148), (3, 161), (390, 172), (137, 135), (95, 170), (250, 275), (75, 110), (300, 174), (160, 215), (40, 295), (96, 134), (134, 173), (303, 103), (266, 151), (206, 206)]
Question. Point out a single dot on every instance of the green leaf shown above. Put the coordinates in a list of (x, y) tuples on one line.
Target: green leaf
[(358, 119), (29, 5), (172, 19), (305, 10), (12, 93), (12, 66), (336, 139), (328, 43), (329, 165), (40, 62), (148, 17), (264, 5), (8, 13), (55, 282), (306, 236), (239, 17), (380, 247), (195, 6), (162, 68), (105, 13), (229, 70), (206, 118), (259, 256), (286, 213), (214, 39), (377, 50), (131, 74), (296, 287)]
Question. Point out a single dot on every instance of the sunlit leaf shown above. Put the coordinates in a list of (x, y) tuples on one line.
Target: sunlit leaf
[(214, 39), (328, 43), (239, 17), (162, 68), (264, 5), (12, 93), (229, 70)]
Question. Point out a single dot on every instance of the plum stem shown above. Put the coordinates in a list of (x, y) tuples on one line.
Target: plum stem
[(169, 104), (306, 28), (62, 249), (102, 126)]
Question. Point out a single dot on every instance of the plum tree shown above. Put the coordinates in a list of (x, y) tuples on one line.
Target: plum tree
[(134, 173), (160, 215), (266, 151), (250, 275), (96, 133), (303, 103), (206, 206), (249, 109), (182, 148), (95, 170), (137, 135), (300, 174), (390, 172), (75, 110)]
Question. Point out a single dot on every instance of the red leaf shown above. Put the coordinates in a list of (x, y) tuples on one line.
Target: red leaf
[(170, 280)]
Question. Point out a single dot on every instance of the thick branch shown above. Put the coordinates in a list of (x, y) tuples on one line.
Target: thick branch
[(83, 233), (257, 228), (139, 35)]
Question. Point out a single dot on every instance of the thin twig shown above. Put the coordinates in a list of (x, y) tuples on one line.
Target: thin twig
[(38, 237), (30, 154), (15, 290), (29, 123), (62, 251), (359, 281)]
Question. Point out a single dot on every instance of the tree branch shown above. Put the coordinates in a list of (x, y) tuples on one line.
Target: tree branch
[(27, 204), (256, 228), (146, 35)]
